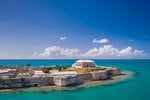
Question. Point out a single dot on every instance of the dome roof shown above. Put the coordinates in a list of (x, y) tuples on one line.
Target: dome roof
[(84, 61)]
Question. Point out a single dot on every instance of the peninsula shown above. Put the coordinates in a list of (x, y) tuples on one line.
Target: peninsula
[(81, 71)]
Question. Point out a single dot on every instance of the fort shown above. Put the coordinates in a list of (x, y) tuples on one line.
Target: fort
[(81, 71)]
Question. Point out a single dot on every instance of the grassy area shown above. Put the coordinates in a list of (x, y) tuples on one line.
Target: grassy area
[(60, 68), (69, 68)]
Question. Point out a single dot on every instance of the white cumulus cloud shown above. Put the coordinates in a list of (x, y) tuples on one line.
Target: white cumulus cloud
[(56, 51), (69, 52), (63, 38), (110, 51), (91, 53), (104, 40), (103, 51), (138, 52), (125, 52), (106, 50), (3, 55)]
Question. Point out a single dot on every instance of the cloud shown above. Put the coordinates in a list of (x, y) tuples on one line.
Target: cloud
[(56, 51), (103, 51), (50, 51), (106, 50), (63, 38), (69, 52), (110, 51), (104, 40), (3, 55), (91, 53), (35, 54), (138, 52), (125, 52)]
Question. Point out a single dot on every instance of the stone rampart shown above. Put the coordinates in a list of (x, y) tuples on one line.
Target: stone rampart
[(63, 80), (25, 82), (10, 83)]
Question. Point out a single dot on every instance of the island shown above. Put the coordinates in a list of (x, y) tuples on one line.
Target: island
[(81, 71)]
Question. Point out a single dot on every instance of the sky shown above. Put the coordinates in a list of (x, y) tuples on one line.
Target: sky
[(82, 29)]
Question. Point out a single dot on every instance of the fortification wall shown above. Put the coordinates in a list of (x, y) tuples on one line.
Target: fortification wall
[(84, 77), (68, 80), (99, 75), (80, 78), (25, 82), (10, 83), (37, 81), (64, 80), (55, 80)]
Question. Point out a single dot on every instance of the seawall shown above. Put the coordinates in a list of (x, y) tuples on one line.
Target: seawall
[(25, 82), (53, 80)]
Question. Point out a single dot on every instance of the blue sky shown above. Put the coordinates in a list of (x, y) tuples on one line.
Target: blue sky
[(58, 28)]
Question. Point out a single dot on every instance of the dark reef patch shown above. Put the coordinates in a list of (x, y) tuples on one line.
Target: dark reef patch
[(137, 74)]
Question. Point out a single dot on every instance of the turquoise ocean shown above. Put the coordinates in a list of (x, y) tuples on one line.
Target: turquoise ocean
[(134, 88)]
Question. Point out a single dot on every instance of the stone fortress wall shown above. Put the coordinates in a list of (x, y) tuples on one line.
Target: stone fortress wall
[(53, 80), (25, 82)]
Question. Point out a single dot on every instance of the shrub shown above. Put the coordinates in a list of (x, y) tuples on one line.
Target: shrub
[(45, 70)]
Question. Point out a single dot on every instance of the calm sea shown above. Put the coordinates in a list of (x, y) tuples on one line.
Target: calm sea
[(135, 88)]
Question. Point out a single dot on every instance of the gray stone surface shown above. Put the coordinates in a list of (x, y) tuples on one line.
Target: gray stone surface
[(26, 82), (84, 77), (99, 75), (37, 81), (10, 83), (65, 80), (55, 80)]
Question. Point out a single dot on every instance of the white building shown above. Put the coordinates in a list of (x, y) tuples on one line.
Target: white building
[(64, 73), (84, 64), (7, 70), (52, 71), (38, 74)]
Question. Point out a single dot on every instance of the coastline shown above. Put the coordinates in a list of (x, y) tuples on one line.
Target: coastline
[(113, 80)]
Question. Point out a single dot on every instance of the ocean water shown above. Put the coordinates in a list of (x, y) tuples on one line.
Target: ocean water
[(134, 88)]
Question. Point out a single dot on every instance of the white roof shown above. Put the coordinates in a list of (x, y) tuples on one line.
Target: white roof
[(38, 72), (65, 73), (84, 61), (3, 71), (102, 71), (6, 70), (51, 71)]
